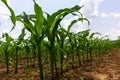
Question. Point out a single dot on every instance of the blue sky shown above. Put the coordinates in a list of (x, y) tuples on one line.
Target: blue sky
[(104, 15)]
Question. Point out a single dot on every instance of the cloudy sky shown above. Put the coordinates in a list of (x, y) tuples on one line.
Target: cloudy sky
[(104, 15)]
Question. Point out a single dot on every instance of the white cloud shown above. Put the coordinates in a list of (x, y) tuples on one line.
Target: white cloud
[(114, 33), (104, 15), (90, 8), (115, 15), (118, 25)]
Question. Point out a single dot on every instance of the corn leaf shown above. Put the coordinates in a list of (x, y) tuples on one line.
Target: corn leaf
[(58, 16), (21, 36), (39, 18), (13, 17), (75, 21), (26, 21)]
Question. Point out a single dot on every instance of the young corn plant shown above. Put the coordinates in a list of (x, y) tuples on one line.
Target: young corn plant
[(72, 41), (99, 45), (53, 22), (67, 51), (35, 25), (7, 49), (90, 42), (33, 46), (83, 35), (17, 44), (80, 47), (62, 34), (65, 33), (37, 32), (107, 45), (27, 47), (39, 26)]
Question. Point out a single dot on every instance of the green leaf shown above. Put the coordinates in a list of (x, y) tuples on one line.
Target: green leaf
[(26, 21), (39, 18), (7, 37), (21, 36), (56, 17), (13, 17), (75, 21), (91, 36), (76, 8)]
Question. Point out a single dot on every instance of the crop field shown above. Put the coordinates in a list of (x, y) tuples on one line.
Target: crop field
[(105, 69), (52, 52)]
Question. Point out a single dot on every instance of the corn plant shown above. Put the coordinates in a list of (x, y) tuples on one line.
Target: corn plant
[(83, 35), (91, 43), (72, 41), (66, 53), (107, 44), (17, 48), (116, 42), (34, 24), (53, 25), (80, 47), (6, 49), (39, 26), (33, 45), (100, 44), (62, 34)]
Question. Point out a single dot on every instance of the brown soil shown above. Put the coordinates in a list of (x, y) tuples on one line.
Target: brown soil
[(105, 68)]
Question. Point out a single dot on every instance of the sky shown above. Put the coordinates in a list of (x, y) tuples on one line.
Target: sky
[(104, 15)]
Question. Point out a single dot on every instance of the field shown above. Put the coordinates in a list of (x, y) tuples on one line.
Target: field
[(106, 68), (46, 50)]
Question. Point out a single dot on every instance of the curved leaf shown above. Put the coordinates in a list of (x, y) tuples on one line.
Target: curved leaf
[(75, 21), (13, 17)]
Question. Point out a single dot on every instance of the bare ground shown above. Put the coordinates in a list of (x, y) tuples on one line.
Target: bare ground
[(105, 68)]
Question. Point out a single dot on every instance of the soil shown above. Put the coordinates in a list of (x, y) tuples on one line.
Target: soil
[(106, 67)]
